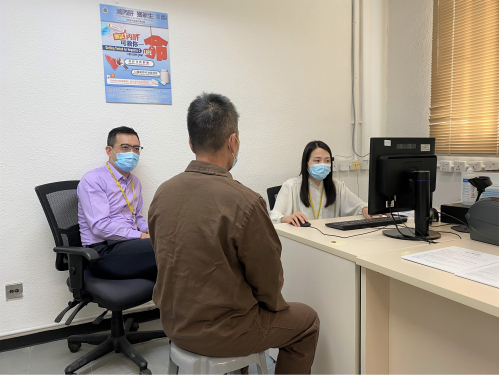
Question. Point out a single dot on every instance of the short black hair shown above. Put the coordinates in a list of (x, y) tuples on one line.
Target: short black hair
[(111, 137), (211, 118), (329, 185)]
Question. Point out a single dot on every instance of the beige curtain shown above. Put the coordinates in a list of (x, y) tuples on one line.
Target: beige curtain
[(464, 113)]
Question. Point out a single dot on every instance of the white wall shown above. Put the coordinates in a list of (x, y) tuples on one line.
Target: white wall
[(284, 63), (410, 27)]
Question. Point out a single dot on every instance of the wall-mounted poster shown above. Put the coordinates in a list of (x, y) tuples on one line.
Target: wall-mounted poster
[(136, 55)]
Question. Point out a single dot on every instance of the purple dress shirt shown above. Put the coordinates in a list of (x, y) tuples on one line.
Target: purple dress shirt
[(103, 213)]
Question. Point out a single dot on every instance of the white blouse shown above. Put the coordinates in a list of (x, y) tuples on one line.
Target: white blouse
[(288, 201)]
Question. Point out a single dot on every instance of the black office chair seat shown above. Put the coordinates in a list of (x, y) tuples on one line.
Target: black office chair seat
[(117, 295)]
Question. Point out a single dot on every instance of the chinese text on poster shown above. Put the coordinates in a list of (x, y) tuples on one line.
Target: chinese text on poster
[(136, 55)]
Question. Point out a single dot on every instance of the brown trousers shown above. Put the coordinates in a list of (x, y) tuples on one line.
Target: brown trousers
[(294, 332)]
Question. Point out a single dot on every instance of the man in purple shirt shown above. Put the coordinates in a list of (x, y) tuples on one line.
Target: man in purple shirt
[(110, 212)]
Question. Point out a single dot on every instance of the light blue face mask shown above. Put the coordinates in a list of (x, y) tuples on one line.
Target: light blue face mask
[(237, 155), (126, 161), (319, 171)]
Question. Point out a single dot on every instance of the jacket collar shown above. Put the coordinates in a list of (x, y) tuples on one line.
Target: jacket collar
[(208, 169)]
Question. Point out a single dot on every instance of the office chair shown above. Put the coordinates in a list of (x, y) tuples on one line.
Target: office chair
[(272, 194), (60, 204)]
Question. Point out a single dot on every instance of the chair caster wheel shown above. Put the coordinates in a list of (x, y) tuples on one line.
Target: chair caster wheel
[(74, 346), (134, 327), (146, 371)]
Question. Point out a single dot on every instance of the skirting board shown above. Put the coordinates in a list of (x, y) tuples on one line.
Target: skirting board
[(66, 331)]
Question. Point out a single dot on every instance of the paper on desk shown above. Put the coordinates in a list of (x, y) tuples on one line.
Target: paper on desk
[(453, 259), (488, 274)]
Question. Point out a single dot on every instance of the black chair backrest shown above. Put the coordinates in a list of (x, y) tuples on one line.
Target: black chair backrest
[(60, 204), (272, 194)]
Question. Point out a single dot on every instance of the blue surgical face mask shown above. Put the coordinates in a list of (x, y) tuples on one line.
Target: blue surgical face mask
[(319, 171), (237, 155), (126, 161)]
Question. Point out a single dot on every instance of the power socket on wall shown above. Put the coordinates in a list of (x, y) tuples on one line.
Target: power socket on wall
[(14, 291), (491, 165), (364, 164), (476, 165), (335, 166), (446, 166), (344, 165), (460, 166), (356, 165)]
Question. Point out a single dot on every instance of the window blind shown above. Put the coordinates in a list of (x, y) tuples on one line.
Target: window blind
[(464, 112)]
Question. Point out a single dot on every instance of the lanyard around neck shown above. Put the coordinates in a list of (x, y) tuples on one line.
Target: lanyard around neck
[(312, 203), (122, 191)]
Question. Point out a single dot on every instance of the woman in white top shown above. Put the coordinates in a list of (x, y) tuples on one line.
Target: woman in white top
[(315, 193)]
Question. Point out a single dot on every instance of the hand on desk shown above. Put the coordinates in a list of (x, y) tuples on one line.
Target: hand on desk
[(295, 219), (366, 215)]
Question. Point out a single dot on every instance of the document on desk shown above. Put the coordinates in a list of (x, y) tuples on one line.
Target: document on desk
[(488, 274), (466, 263)]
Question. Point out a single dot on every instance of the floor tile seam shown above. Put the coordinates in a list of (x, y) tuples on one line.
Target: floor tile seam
[(29, 359)]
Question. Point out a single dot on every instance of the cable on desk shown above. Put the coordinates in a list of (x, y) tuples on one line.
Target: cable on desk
[(453, 233), (351, 236), (448, 215), (414, 237)]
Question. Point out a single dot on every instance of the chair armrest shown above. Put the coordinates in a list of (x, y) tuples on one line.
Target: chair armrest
[(78, 258), (89, 253)]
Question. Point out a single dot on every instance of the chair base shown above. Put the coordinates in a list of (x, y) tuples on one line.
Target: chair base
[(120, 341)]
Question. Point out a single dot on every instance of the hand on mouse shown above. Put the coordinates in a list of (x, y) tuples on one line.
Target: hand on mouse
[(295, 219), (366, 215)]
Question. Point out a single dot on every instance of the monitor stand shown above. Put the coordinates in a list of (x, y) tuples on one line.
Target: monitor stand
[(421, 182)]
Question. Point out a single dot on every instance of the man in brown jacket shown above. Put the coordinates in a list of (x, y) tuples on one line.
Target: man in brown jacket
[(218, 255)]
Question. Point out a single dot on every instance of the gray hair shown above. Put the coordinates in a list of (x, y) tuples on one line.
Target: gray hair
[(211, 119)]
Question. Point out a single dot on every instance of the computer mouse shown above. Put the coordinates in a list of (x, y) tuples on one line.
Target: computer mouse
[(304, 224)]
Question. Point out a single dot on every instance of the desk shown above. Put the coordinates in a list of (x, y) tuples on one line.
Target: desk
[(325, 276), (421, 320)]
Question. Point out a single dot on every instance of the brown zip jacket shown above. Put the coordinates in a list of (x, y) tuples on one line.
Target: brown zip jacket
[(218, 258)]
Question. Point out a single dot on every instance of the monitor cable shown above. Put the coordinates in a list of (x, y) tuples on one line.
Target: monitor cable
[(421, 238), (351, 236), (414, 237)]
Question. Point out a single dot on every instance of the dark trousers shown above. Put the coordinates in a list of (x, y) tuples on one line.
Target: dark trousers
[(294, 331), (127, 259)]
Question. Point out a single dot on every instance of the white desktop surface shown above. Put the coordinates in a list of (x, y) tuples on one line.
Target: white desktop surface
[(473, 294), (363, 245)]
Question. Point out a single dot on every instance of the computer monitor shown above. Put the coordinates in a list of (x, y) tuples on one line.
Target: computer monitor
[(402, 176)]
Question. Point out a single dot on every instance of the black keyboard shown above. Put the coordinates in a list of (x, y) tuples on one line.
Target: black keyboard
[(364, 223)]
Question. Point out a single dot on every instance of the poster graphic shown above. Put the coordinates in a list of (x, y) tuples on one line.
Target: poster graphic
[(136, 55)]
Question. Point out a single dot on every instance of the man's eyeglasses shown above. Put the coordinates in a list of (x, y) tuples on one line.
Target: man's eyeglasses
[(128, 148)]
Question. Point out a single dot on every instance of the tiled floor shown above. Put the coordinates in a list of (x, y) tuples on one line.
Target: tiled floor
[(51, 358)]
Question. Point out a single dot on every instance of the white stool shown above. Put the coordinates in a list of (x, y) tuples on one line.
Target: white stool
[(194, 364)]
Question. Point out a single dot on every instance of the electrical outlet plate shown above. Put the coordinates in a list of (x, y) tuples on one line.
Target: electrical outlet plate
[(364, 164), (476, 165), (459, 166), (14, 291), (344, 165), (356, 165), (446, 166), (491, 165), (335, 166)]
